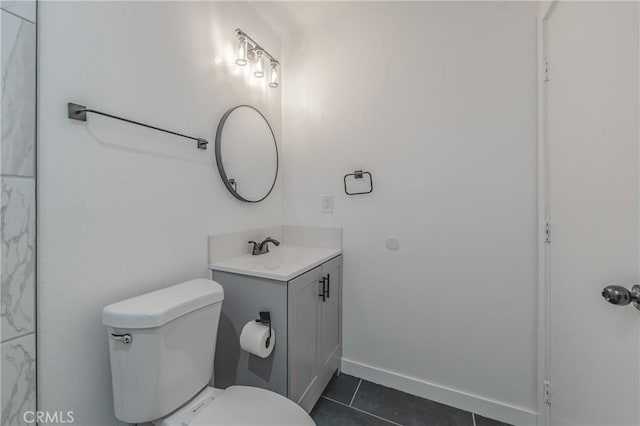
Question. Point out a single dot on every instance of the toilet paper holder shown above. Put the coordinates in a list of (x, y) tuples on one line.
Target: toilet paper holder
[(265, 318)]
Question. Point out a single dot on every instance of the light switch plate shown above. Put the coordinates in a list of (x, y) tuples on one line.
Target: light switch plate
[(327, 204)]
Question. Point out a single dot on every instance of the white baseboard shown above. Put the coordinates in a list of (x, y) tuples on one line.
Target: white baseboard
[(465, 401)]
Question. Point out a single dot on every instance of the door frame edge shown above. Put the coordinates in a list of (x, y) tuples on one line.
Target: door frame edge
[(545, 11)]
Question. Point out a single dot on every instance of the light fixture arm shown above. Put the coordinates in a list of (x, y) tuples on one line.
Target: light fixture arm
[(256, 46)]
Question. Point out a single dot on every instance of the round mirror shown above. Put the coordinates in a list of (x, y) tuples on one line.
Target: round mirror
[(247, 154)]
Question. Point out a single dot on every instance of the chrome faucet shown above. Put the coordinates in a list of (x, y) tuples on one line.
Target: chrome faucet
[(263, 247)]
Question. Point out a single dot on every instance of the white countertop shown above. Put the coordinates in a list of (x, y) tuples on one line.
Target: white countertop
[(282, 263)]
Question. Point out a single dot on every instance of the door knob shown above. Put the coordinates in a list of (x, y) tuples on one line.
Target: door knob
[(618, 295)]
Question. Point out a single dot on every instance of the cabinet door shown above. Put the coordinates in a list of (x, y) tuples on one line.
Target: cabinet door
[(304, 334), (331, 317)]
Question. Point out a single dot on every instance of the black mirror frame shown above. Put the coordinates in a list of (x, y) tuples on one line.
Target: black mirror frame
[(218, 149)]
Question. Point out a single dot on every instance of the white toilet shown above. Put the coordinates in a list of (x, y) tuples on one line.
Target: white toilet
[(162, 346)]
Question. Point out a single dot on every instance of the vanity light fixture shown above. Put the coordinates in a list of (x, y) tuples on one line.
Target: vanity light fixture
[(273, 75), (250, 52), (259, 64), (241, 51)]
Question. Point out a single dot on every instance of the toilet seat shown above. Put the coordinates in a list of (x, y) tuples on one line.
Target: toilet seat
[(239, 405)]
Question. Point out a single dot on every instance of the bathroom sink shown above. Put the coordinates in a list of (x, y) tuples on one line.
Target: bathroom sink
[(282, 263)]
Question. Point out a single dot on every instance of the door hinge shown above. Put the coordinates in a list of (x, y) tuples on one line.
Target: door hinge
[(547, 392), (547, 70), (547, 232)]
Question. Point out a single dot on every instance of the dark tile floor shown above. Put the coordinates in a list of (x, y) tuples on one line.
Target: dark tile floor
[(350, 401)]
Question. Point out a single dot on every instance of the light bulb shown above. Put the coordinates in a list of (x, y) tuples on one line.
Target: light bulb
[(241, 51), (273, 75), (259, 66)]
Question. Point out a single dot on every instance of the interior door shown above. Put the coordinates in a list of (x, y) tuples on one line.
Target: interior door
[(593, 161)]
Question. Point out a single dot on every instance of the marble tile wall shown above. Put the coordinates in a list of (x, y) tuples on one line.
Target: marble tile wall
[(18, 95), (18, 379), (18, 257), (18, 211)]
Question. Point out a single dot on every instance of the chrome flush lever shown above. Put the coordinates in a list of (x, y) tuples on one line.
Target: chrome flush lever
[(125, 338)]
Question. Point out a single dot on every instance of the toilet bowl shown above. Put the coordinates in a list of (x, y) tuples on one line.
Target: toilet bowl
[(162, 347)]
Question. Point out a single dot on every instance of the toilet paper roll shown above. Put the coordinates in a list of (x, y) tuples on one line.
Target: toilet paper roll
[(253, 339)]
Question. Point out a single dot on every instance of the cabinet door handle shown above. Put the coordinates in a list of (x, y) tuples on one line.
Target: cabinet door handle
[(323, 294), (328, 285)]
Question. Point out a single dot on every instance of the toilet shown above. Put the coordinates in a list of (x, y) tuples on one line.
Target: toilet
[(162, 346)]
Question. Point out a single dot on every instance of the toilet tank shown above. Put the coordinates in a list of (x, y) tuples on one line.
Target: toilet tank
[(169, 356)]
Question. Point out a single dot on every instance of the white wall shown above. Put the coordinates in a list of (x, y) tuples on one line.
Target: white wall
[(437, 101), (124, 210)]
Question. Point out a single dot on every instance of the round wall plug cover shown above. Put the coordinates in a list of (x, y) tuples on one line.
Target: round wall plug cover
[(393, 243)]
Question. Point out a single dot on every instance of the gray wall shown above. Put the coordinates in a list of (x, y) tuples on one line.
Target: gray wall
[(18, 146)]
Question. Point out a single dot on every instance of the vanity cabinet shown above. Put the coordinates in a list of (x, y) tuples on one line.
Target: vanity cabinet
[(315, 324), (306, 314)]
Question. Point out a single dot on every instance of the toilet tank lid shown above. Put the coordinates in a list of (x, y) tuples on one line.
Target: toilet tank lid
[(154, 309)]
